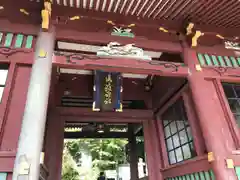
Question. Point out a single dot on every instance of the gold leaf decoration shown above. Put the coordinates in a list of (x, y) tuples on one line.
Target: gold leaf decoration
[(111, 22), (198, 67), (120, 109), (42, 53), (24, 12), (195, 38), (74, 18), (163, 29), (189, 29), (46, 14), (131, 25), (94, 107), (220, 36)]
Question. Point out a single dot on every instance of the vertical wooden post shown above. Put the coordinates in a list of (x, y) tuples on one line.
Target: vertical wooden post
[(27, 163), (228, 113), (194, 124), (54, 146), (211, 118), (154, 160), (163, 148), (133, 154)]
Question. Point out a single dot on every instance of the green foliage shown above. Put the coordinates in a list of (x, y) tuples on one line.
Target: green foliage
[(69, 168), (106, 153)]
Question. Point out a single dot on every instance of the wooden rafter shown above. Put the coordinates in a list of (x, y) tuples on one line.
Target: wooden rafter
[(211, 12)]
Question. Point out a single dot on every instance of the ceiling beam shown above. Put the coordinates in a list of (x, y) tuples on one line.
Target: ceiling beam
[(123, 65), (76, 135), (87, 112), (26, 12), (8, 26), (11, 12), (105, 38), (118, 19), (101, 119)]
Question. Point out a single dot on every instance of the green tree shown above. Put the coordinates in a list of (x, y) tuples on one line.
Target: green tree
[(106, 153), (69, 167)]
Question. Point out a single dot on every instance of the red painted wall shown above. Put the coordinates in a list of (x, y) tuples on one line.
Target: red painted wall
[(164, 88), (12, 116), (80, 85)]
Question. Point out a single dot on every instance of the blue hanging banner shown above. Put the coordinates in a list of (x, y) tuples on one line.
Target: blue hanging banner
[(107, 91)]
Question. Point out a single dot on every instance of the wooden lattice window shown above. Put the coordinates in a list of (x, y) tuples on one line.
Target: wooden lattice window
[(3, 78), (178, 136), (232, 92)]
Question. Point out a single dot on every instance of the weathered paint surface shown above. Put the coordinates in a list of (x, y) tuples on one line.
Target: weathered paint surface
[(16, 106), (213, 131), (10, 136)]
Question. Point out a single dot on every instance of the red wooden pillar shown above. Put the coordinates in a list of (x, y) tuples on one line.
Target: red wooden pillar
[(163, 147), (151, 142), (133, 154), (215, 130), (54, 147), (194, 124)]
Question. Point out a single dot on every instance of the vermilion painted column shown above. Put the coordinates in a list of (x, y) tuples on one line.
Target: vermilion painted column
[(194, 124), (133, 154), (162, 144), (154, 160), (54, 147), (211, 118)]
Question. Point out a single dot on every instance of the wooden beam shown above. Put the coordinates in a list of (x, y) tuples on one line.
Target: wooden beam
[(105, 38), (74, 135), (115, 65), (91, 14), (97, 18), (92, 37), (124, 65), (96, 118), (87, 113), (191, 166), (29, 29), (143, 22), (26, 12), (172, 100)]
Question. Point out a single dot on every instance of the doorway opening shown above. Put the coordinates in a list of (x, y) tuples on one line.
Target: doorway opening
[(116, 149)]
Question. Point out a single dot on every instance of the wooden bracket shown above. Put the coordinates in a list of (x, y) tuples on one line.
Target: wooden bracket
[(195, 38), (189, 28), (46, 14)]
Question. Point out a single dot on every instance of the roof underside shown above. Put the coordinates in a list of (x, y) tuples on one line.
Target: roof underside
[(211, 17), (219, 13)]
